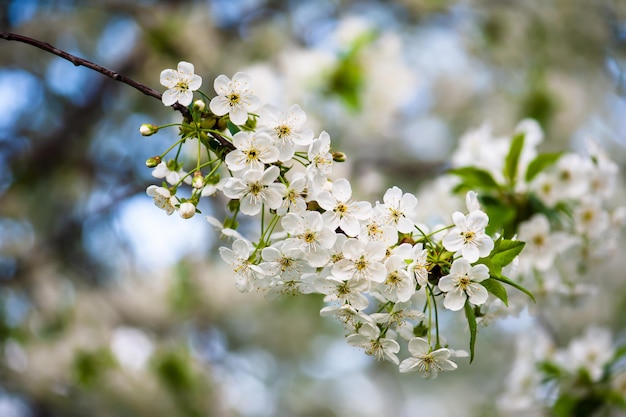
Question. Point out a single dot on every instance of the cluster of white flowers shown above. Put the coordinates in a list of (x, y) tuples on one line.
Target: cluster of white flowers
[(558, 204), (546, 380), (382, 273)]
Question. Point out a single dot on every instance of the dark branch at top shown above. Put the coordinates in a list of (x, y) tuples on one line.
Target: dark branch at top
[(88, 64)]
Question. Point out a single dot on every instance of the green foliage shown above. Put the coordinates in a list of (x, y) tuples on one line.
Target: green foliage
[(471, 322), (473, 178), (494, 287), (512, 159), (540, 163), (89, 367)]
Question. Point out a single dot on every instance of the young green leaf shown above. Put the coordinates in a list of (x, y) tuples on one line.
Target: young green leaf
[(471, 321), (505, 251), (475, 177), (512, 159), (516, 285), (494, 287), (541, 162)]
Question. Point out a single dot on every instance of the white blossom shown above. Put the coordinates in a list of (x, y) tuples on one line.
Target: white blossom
[(468, 237), (252, 151), (428, 363), (235, 97), (341, 210), (180, 84), (163, 199), (256, 188), (246, 273), (285, 128), (368, 338), (463, 282)]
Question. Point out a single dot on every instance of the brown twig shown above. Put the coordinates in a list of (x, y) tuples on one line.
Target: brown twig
[(80, 62)]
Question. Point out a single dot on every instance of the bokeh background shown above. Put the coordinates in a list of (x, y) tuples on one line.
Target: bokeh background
[(108, 307)]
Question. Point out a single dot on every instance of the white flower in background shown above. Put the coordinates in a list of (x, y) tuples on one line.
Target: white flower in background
[(285, 128), (399, 285), (468, 236), (396, 208), (350, 291), (247, 274), (187, 210), (368, 338), (180, 84), (428, 363), (341, 211), (546, 187), (163, 199), (362, 261), (591, 353), (462, 283), (471, 201), (293, 198), (252, 151), (132, 347), (211, 188), (172, 173), (419, 264), (256, 188), (542, 245), (310, 235), (235, 97), (590, 219), (571, 174)]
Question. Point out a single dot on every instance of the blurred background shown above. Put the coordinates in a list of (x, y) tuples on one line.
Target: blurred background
[(108, 307)]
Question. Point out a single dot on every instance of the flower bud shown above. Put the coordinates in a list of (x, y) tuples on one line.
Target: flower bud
[(199, 105), (154, 161), (147, 129), (198, 180), (339, 157), (187, 210)]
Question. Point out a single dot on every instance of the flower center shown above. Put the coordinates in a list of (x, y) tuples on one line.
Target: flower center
[(233, 99), (309, 237), (361, 264), (182, 86), (282, 131), (252, 155), (341, 209), (255, 188), (468, 236)]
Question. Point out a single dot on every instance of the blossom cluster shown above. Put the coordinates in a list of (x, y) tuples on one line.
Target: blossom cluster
[(384, 274)]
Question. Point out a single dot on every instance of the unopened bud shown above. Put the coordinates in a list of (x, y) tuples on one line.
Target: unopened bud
[(187, 210), (339, 157), (147, 129), (198, 180), (199, 105), (154, 161)]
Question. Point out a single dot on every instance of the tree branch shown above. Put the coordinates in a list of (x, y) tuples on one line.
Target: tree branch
[(80, 62)]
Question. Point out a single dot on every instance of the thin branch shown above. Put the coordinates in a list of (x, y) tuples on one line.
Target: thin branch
[(80, 62)]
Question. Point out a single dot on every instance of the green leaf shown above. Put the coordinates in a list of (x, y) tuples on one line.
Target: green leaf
[(471, 321), (540, 163), (494, 287), (516, 285), (475, 177), (512, 159), (233, 128), (505, 250)]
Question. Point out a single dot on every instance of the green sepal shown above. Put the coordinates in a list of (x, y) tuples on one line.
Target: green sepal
[(471, 322), (540, 163), (494, 287), (512, 159)]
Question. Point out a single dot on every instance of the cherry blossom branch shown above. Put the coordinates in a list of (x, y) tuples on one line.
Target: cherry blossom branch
[(81, 62)]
